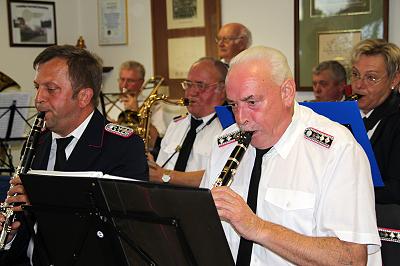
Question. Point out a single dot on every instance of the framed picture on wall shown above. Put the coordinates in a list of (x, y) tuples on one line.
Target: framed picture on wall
[(337, 45), (32, 23), (327, 30), (183, 32), (113, 26)]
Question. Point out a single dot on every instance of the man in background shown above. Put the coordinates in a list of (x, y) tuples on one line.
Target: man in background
[(185, 148), (130, 80), (232, 38), (329, 81)]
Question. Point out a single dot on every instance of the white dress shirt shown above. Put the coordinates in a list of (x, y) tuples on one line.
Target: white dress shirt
[(175, 135), (307, 187)]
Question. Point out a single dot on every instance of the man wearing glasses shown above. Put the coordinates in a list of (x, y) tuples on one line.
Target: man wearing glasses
[(130, 80), (232, 39), (375, 75), (185, 148)]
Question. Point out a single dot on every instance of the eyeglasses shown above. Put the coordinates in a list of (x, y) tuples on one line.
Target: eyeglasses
[(129, 81), (201, 86), (369, 79), (227, 39)]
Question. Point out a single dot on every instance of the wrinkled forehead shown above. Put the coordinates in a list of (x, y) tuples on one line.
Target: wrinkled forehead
[(249, 78), (203, 71), (229, 31)]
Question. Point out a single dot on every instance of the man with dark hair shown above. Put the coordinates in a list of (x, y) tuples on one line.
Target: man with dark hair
[(329, 81), (68, 82), (183, 163)]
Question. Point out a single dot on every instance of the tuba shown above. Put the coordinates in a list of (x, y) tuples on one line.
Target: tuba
[(139, 120)]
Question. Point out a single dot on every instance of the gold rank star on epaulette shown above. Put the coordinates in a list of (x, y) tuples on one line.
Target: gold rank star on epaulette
[(119, 130), (318, 137), (228, 138)]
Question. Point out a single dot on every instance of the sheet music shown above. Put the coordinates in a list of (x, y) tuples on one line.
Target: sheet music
[(19, 125), (71, 174), (95, 174), (113, 177)]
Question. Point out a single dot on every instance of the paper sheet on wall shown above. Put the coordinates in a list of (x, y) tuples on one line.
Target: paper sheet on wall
[(182, 53)]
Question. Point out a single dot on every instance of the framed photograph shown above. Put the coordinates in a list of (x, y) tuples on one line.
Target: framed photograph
[(183, 14), (328, 30), (328, 8), (337, 45), (32, 23), (113, 26)]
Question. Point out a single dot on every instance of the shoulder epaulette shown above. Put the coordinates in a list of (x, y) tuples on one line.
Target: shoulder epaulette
[(228, 138), (179, 117), (119, 130), (318, 137)]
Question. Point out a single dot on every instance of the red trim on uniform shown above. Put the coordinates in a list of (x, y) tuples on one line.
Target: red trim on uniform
[(226, 143)]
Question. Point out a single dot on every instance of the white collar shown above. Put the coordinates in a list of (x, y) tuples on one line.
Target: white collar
[(77, 133)]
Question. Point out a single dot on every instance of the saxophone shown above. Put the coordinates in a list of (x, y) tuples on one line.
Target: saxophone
[(225, 178), (140, 121), (23, 168)]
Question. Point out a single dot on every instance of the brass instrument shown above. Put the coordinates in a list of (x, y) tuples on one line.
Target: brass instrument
[(139, 120), (353, 97), (225, 178), (23, 168)]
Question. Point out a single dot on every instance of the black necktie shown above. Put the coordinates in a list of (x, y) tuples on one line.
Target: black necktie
[(61, 159), (187, 145), (368, 123), (246, 246)]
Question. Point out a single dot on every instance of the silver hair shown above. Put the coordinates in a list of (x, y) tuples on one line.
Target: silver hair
[(246, 33), (134, 65), (273, 59)]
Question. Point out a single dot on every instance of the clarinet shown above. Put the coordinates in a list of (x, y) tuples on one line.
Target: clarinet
[(225, 178), (23, 168)]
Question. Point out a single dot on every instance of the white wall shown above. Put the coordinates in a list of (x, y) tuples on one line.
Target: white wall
[(139, 45)]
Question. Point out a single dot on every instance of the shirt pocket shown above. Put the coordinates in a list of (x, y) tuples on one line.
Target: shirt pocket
[(291, 208)]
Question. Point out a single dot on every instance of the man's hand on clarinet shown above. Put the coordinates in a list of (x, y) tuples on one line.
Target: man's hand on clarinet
[(17, 194)]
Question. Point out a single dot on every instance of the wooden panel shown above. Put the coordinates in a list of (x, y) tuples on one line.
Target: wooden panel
[(212, 19)]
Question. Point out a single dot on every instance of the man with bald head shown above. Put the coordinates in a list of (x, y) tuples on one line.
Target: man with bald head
[(232, 39), (185, 147), (306, 179)]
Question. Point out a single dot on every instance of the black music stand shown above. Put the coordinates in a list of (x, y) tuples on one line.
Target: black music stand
[(96, 221), (13, 112)]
